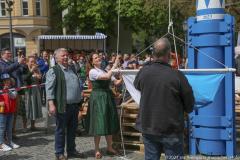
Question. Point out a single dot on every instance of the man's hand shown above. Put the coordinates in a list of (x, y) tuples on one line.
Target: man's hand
[(52, 108), (21, 59)]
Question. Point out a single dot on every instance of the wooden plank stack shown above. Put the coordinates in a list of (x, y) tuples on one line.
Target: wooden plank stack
[(132, 139)]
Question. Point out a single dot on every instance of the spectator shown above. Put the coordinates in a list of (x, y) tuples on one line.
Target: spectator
[(175, 62), (33, 99), (42, 62), (82, 70), (148, 58), (12, 68), (52, 61), (43, 65), (8, 105), (126, 60), (64, 96), (113, 58), (164, 99), (19, 54), (133, 63), (15, 70), (104, 61)]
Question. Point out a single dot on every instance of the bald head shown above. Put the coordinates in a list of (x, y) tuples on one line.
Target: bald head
[(161, 48)]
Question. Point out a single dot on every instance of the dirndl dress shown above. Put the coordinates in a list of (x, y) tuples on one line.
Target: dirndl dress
[(102, 116)]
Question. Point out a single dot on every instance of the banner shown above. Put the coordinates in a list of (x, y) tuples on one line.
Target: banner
[(205, 86)]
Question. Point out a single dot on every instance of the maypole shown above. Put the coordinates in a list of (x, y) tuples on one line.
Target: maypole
[(212, 128)]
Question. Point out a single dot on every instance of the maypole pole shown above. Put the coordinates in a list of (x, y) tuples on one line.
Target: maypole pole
[(212, 128)]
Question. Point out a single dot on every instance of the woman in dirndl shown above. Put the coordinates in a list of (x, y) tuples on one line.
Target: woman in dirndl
[(32, 76), (102, 116)]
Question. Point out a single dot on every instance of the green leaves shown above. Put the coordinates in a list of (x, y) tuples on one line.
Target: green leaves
[(145, 17)]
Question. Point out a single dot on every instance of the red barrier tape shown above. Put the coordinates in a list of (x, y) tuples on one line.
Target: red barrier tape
[(21, 88)]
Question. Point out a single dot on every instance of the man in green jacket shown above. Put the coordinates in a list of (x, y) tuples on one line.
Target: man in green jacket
[(63, 96)]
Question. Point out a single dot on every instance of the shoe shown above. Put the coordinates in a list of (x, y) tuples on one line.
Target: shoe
[(61, 157), (112, 153), (14, 146), (75, 154), (5, 148)]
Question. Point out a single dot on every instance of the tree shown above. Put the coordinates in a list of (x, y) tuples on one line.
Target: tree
[(89, 16), (56, 17), (141, 16)]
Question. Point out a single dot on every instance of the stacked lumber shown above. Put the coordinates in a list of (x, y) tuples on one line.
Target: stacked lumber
[(132, 139), (87, 92), (83, 109)]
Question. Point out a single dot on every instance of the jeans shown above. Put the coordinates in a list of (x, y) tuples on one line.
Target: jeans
[(170, 144), (6, 125), (66, 121)]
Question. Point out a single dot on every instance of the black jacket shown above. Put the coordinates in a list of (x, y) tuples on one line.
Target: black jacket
[(165, 96), (14, 69)]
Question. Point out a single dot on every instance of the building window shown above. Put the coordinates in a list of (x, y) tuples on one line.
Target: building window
[(2, 8), (38, 7), (25, 7)]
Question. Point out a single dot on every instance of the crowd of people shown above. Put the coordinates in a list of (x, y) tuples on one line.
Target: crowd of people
[(65, 74), (80, 68)]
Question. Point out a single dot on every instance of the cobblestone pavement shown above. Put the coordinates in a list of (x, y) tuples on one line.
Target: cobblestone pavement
[(40, 146)]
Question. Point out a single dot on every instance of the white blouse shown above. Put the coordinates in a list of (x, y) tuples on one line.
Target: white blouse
[(96, 72)]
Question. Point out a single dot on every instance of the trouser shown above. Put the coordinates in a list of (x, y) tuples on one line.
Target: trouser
[(6, 124), (66, 121), (170, 144)]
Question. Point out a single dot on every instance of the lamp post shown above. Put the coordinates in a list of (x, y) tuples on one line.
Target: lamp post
[(10, 9)]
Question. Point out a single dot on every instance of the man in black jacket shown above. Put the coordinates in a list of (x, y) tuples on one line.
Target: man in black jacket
[(15, 70), (165, 96)]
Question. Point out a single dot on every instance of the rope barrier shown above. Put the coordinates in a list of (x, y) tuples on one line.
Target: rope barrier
[(21, 88)]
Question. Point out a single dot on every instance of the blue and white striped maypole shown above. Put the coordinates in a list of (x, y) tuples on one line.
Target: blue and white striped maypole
[(212, 128), (210, 10)]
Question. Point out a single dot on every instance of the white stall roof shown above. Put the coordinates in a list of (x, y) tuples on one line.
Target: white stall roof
[(97, 36)]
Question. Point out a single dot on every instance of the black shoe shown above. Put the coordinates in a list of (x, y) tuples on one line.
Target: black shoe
[(112, 153), (61, 157), (75, 154)]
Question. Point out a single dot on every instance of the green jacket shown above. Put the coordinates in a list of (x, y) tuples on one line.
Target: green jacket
[(60, 93)]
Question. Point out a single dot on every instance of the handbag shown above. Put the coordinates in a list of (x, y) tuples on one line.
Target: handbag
[(1, 108)]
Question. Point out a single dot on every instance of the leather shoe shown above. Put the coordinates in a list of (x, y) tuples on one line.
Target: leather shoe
[(112, 153), (75, 154), (61, 157)]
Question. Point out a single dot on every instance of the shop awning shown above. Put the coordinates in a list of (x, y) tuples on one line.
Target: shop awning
[(97, 36)]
